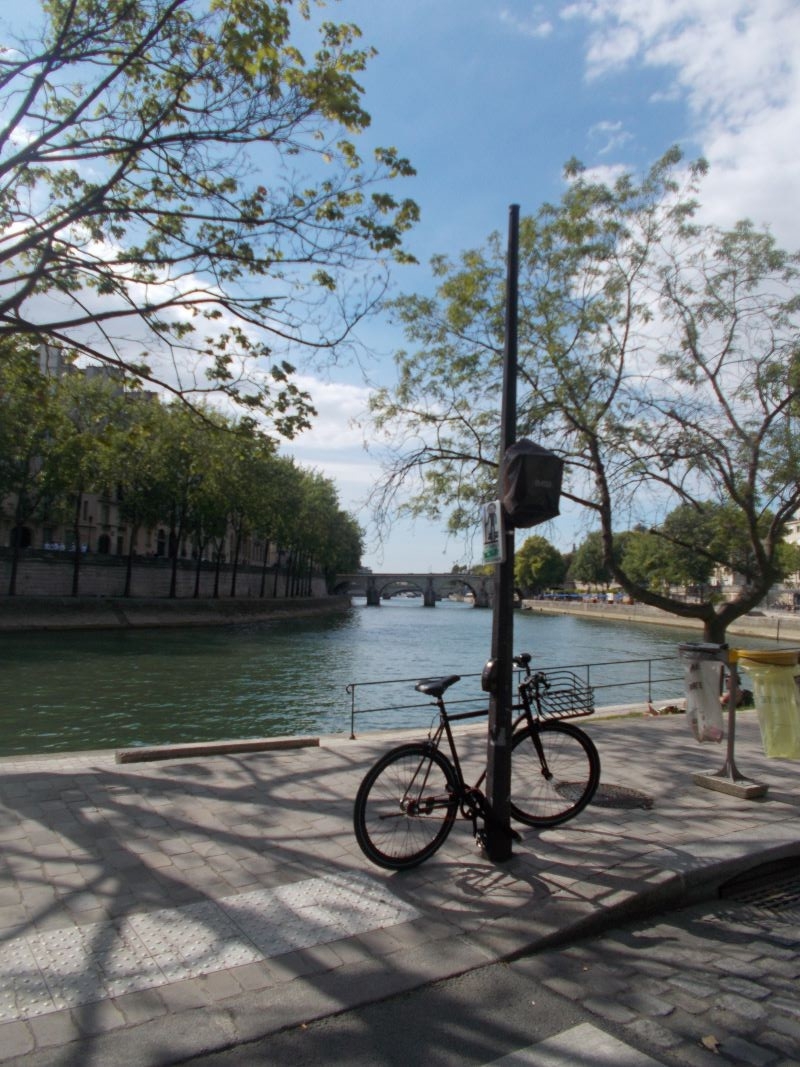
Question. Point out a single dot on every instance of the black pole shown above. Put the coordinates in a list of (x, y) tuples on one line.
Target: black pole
[(498, 764)]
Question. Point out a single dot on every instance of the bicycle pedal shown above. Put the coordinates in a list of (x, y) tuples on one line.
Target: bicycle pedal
[(480, 839)]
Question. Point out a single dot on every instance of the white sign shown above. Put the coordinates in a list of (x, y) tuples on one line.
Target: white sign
[(492, 517)]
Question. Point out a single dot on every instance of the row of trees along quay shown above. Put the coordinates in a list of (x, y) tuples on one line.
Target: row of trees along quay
[(184, 202), (659, 563), (215, 483), (659, 356)]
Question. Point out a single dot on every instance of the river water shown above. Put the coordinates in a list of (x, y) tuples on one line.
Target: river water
[(76, 690)]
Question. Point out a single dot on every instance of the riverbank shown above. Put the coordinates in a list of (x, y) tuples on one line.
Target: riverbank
[(23, 613), (19, 614), (777, 626)]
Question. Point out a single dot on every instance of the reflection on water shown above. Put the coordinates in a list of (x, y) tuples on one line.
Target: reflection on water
[(109, 689)]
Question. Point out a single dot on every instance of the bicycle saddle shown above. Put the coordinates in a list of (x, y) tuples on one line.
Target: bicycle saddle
[(435, 687)]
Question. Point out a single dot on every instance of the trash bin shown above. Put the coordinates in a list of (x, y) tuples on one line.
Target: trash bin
[(703, 663), (775, 692)]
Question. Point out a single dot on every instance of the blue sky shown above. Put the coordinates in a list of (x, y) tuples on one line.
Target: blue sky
[(489, 100)]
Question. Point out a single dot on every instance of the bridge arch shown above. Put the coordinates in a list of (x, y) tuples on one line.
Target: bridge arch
[(433, 587)]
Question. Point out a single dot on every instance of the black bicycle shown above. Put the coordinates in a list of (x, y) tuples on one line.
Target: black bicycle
[(408, 802)]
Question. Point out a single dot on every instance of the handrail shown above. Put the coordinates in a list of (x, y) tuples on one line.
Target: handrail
[(648, 678)]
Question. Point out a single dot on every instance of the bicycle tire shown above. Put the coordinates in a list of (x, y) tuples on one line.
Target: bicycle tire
[(406, 806), (557, 782)]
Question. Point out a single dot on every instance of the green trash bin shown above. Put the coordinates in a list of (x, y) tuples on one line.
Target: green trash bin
[(775, 693)]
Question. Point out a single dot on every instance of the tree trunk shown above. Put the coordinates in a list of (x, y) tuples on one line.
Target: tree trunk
[(129, 562), (277, 572), (76, 533), (15, 539), (217, 568), (197, 568), (236, 549), (264, 570)]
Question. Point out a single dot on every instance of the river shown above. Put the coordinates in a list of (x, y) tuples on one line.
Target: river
[(72, 690)]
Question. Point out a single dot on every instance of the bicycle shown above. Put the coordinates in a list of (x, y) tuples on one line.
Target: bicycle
[(408, 801)]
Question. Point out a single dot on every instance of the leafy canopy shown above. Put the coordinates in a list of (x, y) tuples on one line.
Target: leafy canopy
[(657, 356), (181, 192)]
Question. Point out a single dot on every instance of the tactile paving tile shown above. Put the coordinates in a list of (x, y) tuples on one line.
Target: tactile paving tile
[(192, 940), (23, 990), (315, 911), (46, 970)]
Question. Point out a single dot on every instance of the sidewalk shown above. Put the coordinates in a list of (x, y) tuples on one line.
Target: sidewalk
[(152, 911)]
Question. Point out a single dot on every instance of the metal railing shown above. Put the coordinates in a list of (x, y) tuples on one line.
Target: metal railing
[(652, 675)]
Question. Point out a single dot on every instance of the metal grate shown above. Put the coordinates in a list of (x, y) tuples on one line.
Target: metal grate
[(621, 796), (772, 887)]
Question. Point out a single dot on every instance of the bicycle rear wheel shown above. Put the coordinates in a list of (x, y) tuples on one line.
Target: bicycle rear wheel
[(405, 807), (555, 770)]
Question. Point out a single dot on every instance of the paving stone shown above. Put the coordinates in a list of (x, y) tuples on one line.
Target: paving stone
[(692, 986), (741, 1006), (651, 1033), (253, 977), (54, 1029), (786, 1005), (98, 1017), (141, 1006), (612, 1010), (688, 1003), (180, 996), (16, 1039), (745, 988), (746, 1053), (645, 1004), (219, 985), (788, 1026)]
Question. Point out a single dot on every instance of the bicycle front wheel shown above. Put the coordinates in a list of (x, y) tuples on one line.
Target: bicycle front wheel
[(405, 807), (555, 770)]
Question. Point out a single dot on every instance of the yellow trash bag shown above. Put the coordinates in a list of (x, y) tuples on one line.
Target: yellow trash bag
[(776, 698)]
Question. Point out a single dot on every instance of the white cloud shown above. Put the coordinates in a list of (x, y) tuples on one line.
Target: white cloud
[(334, 443), (736, 63), (534, 25), (611, 135)]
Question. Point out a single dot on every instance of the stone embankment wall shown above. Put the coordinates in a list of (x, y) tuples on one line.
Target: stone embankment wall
[(106, 613), (104, 576), (775, 626)]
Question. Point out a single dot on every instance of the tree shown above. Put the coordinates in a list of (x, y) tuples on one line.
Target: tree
[(181, 196), (588, 564), (135, 461), (179, 479), (29, 419), (538, 565), (79, 454), (659, 357)]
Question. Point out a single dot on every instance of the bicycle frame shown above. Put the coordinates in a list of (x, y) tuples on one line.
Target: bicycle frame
[(473, 795)]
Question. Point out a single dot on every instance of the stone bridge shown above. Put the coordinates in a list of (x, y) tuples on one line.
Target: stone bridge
[(430, 587)]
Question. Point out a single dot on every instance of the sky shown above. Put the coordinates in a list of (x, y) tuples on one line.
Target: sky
[(490, 99)]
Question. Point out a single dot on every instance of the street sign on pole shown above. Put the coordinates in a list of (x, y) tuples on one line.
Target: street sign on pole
[(493, 540)]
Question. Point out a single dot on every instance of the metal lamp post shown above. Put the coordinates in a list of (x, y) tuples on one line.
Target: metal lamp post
[(498, 766)]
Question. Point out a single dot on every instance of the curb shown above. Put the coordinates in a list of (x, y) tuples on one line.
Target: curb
[(148, 754), (681, 890)]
